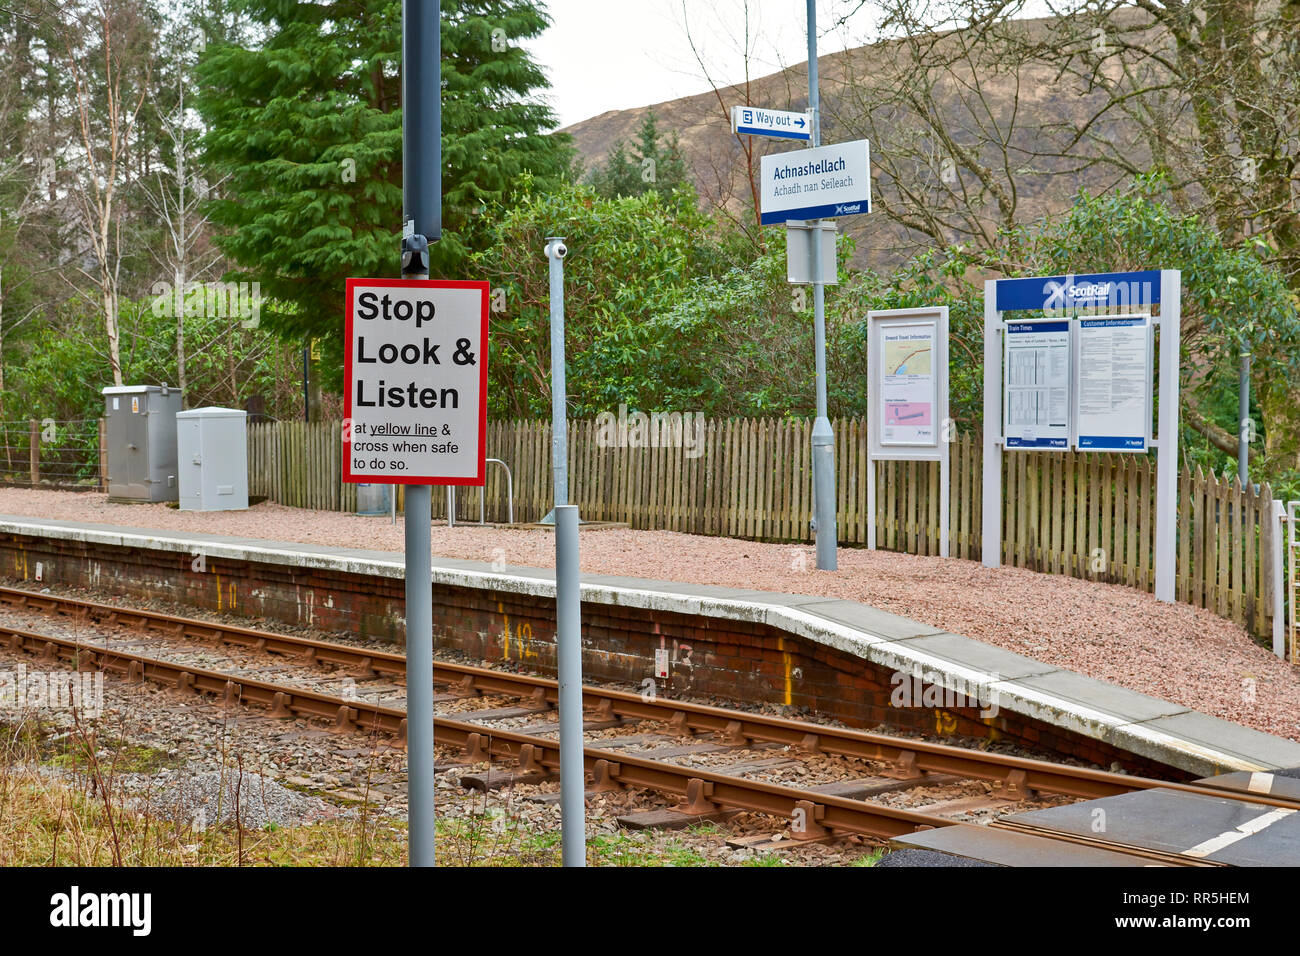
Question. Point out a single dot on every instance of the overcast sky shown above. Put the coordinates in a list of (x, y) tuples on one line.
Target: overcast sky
[(617, 54)]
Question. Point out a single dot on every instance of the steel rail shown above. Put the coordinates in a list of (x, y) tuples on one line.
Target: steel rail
[(703, 791), (326, 652), (914, 757)]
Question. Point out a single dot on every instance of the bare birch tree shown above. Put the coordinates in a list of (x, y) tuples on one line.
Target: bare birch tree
[(107, 106)]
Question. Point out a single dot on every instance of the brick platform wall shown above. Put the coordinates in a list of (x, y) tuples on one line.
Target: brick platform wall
[(709, 657)]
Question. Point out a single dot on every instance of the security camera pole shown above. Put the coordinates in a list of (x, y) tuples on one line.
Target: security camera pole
[(568, 600), (556, 250), (823, 439), (422, 218)]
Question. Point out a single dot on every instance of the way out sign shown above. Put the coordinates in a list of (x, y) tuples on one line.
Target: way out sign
[(415, 381)]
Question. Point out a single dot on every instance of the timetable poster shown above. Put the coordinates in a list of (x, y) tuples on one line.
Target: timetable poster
[(1036, 385)]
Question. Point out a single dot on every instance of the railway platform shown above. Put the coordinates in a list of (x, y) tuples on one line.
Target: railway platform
[(834, 657)]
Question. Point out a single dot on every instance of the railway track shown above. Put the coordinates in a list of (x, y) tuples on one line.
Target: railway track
[(701, 791)]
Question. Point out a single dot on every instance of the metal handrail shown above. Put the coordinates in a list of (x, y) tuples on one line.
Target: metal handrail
[(482, 498), (510, 495)]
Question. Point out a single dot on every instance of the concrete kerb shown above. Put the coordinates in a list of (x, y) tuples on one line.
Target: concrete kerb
[(811, 618)]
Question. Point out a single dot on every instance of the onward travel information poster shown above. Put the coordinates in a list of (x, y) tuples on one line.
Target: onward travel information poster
[(907, 385)]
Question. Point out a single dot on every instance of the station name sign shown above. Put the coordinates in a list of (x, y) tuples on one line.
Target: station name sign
[(415, 385), (816, 183)]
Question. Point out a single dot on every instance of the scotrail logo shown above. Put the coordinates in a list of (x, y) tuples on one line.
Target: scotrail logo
[(76, 909), (1069, 294)]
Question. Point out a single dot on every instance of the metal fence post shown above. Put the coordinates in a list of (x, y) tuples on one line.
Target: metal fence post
[(1277, 532)]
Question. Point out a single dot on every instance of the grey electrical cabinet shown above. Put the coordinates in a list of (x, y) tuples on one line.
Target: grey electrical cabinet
[(212, 452), (141, 436)]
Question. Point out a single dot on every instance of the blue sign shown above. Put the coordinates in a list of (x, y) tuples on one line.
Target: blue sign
[(1123, 290), (777, 123), (815, 183)]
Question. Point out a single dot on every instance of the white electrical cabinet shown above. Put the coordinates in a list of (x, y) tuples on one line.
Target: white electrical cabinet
[(212, 459)]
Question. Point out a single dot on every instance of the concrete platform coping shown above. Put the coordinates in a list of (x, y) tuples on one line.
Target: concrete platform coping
[(1160, 730)]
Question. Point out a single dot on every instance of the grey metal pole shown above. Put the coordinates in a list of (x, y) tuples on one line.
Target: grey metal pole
[(1166, 552), (991, 499), (556, 250), (1243, 421), (419, 676), (422, 215), (823, 438), (568, 641)]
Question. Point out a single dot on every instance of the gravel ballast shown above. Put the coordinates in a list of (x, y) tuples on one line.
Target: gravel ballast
[(213, 797), (1109, 632)]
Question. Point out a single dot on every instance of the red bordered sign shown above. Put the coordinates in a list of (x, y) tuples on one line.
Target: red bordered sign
[(415, 374)]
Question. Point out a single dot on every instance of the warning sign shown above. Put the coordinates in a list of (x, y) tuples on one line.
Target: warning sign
[(415, 381)]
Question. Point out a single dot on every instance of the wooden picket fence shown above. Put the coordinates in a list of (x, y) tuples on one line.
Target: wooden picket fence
[(1087, 515)]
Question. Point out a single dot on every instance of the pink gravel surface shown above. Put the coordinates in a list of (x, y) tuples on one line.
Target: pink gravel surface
[(1109, 632)]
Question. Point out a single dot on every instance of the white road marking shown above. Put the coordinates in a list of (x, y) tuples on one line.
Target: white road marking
[(1249, 828)]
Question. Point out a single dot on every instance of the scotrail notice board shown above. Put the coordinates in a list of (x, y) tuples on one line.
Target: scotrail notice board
[(816, 183), (1036, 384), (1114, 383), (415, 386)]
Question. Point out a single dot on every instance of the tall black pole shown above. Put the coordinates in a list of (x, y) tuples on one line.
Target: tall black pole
[(422, 118), (422, 224)]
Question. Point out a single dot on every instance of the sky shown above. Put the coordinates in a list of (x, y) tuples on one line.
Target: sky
[(620, 54), (617, 54)]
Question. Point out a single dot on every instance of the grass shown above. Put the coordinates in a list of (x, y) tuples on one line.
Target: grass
[(63, 803), (870, 859)]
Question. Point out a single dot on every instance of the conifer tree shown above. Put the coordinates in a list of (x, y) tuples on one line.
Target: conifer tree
[(651, 165), (307, 125)]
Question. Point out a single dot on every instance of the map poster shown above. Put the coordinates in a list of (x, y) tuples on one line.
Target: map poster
[(907, 385), (1035, 402)]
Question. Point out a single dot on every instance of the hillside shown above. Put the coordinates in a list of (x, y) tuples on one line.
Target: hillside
[(1012, 116)]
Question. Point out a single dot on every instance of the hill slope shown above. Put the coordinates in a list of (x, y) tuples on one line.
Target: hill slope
[(1012, 117)]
